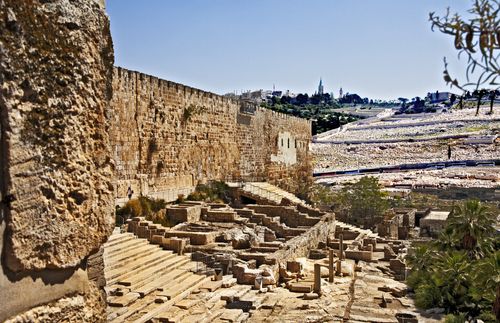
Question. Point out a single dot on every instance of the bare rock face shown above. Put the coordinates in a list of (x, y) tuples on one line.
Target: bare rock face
[(73, 308), (56, 59)]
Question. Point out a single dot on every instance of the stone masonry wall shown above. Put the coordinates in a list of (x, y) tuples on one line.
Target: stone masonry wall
[(168, 137), (56, 167)]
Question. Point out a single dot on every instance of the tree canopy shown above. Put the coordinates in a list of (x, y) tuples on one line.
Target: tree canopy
[(363, 201)]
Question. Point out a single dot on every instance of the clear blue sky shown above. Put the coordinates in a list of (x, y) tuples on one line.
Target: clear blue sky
[(376, 48)]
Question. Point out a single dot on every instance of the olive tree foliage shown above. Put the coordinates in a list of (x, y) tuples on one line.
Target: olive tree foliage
[(478, 39), (362, 201)]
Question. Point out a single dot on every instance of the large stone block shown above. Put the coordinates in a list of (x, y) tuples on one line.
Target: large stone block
[(56, 61)]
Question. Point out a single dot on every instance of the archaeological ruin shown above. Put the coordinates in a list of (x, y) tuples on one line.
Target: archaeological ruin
[(81, 137)]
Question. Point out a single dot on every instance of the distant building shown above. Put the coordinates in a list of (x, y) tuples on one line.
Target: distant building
[(341, 93), (277, 93), (433, 223), (437, 97), (320, 87)]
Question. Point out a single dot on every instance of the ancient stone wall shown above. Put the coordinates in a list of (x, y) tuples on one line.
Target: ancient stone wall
[(56, 167), (168, 137), (300, 246)]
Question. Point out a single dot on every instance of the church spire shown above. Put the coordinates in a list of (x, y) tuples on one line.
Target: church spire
[(320, 86)]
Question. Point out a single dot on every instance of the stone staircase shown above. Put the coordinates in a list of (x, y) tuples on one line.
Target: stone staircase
[(274, 194), (142, 278), (271, 193), (363, 232), (145, 283)]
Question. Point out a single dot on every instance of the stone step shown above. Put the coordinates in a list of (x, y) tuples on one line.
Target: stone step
[(190, 281), (146, 275), (187, 303), (124, 246), (172, 317), (234, 293), (250, 300), (212, 285), (134, 308), (228, 281), (130, 256), (116, 290), (167, 305), (270, 301), (145, 280), (138, 266), (159, 283), (177, 281), (122, 301), (216, 313), (114, 312), (118, 238), (230, 315)]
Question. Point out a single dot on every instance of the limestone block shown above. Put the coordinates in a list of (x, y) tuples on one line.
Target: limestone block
[(56, 61), (178, 214), (294, 266), (196, 238)]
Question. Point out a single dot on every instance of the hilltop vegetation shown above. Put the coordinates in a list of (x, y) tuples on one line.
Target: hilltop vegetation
[(322, 109)]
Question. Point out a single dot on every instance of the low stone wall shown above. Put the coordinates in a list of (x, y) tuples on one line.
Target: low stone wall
[(300, 245), (220, 216), (348, 235), (359, 255), (195, 238), (183, 213), (288, 215)]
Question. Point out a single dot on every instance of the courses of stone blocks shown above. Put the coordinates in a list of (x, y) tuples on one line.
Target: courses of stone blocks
[(168, 137)]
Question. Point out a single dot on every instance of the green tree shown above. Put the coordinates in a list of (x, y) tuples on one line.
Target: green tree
[(461, 271), (473, 225), (453, 277), (363, 201), (485, 290)]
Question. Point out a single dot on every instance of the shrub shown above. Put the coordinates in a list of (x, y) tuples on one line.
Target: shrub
[(211, 192), (450, 318), (428, 295), (151, 209), (180, 198)]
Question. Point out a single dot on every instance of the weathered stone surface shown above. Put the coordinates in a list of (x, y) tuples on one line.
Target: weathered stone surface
[(75, 308), (168, 137), (56, 62)]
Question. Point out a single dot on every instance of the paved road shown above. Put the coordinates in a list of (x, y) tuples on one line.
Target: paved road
[(407, 167)]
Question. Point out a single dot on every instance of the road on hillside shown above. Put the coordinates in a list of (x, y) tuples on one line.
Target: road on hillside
[(408, 167)]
